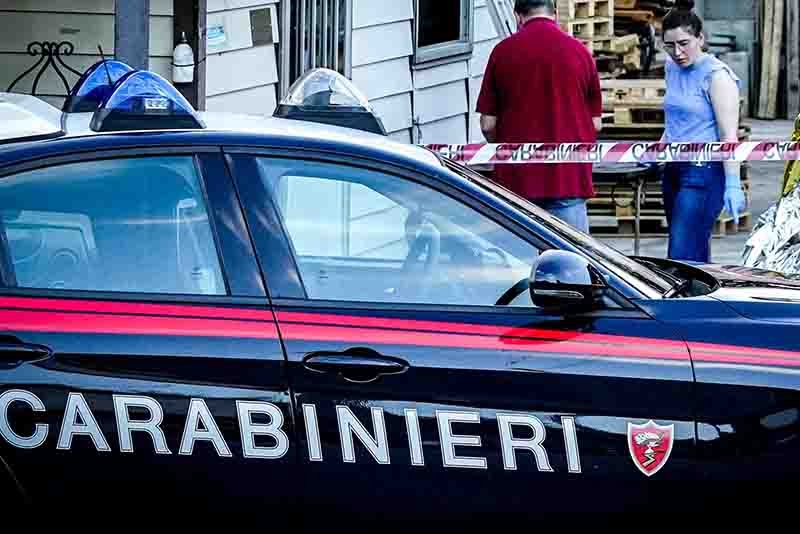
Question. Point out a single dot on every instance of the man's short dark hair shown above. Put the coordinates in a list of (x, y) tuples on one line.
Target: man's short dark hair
[(526, 7)]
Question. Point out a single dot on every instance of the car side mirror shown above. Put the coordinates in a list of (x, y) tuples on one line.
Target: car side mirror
[(565, 281)]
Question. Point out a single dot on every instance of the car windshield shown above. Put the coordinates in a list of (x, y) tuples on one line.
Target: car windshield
[(656, 280)]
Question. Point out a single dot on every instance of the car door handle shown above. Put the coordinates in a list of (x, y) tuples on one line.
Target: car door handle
[(15, 354), (358, 365)]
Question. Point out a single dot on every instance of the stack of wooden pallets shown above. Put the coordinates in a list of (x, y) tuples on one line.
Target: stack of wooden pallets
[(633, 108), (631, 52), (591, 21), (612, 211)]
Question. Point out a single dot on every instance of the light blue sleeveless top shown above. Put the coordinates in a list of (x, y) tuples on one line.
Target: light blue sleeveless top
[(689, 114)]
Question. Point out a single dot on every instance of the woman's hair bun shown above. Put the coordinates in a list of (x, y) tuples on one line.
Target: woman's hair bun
[(686, 5)]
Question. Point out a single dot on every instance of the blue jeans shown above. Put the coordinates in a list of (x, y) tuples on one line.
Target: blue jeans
[(693, 199), (570, 210)]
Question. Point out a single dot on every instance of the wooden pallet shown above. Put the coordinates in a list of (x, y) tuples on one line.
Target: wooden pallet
[(598, 45), (650, 225), (612, 211), (585, 9), (635, 15), (639, 93), (628, 132), (725, 225), (589, 29), (654, 224), (623, 44), (636, 117)]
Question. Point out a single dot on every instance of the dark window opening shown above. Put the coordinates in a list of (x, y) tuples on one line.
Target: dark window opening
[(439, 21)]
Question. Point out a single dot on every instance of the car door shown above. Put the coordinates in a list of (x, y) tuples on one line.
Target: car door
[(137, 354), (415, 393)]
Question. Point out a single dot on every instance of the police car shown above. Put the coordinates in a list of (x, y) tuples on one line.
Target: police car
[(295, 314)]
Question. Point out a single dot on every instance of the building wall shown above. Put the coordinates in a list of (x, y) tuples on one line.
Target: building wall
[(382, 46), (486, 37), (417, 104), (240, 77), (84, 23)]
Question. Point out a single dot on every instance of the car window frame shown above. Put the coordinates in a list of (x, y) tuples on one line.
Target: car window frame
[(255, 192), (229, 264)]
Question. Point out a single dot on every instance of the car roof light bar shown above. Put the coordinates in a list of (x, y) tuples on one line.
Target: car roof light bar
[(143, 100), (95, 85), (325, 96)]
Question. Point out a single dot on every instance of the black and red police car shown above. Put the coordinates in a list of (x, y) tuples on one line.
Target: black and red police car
[(296, 315)]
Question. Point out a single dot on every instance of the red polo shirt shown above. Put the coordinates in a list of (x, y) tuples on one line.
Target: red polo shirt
[(542, 85)]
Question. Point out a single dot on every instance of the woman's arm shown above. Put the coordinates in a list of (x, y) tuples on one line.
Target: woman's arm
[(725, 99)]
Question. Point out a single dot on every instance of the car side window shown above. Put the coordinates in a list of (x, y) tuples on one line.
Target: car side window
[(135, 224), (367, 236)]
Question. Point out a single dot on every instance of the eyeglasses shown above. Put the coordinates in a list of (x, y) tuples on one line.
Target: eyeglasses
[(683, 44)]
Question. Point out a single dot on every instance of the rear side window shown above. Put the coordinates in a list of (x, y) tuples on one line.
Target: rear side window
[(119, 225)]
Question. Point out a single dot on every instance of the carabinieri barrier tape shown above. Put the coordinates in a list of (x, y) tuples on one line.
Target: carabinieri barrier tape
[(627, 152)]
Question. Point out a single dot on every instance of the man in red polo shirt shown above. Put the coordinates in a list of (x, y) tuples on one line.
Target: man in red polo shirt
[(541, 86)]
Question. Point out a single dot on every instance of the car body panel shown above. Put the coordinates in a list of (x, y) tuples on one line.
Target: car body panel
[(168, 355), (716, 373), (581, 371)]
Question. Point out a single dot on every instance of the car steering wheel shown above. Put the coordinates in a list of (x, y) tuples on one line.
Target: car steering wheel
[(424, 237), (505, 262), (513, 292)]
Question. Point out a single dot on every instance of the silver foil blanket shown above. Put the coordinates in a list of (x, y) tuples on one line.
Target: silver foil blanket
[(774, 243)]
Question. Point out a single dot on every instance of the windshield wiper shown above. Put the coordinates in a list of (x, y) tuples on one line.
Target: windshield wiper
[(678, 288), (678, 284)]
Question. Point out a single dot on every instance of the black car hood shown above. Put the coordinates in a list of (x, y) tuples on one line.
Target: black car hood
[(757, 294)]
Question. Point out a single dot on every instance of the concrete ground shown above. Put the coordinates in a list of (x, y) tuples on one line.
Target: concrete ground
[(766, 179)]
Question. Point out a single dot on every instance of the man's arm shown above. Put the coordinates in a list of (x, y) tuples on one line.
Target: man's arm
[(489, 127), (487, 104), (594, 98)]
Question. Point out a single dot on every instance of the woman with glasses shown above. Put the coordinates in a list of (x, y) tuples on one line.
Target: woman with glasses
[(701, 105)]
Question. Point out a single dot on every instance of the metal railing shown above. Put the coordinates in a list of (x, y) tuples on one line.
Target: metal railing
[(50, 56)]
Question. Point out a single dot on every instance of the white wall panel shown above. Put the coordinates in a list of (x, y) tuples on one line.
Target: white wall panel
[(84, 31), (161, 37), (379, 43), (401, 136), (375, 12), (157, 7), (480, 57), (242, 69), (258, 100), (431, 76), (394, 111), (441, 101), (214, 6), (383, 79), (237, 30), (450, 130), (484, 25)]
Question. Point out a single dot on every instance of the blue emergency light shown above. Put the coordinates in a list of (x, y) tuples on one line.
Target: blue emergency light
[(143, 100), (95, 85)]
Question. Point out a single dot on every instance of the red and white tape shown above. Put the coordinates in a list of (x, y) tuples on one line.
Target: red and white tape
[(627, 152)]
